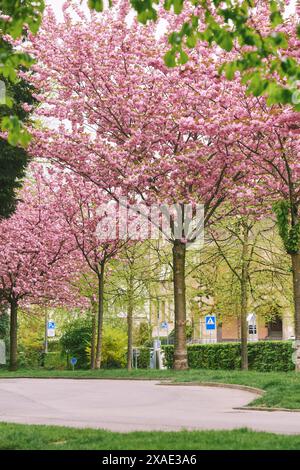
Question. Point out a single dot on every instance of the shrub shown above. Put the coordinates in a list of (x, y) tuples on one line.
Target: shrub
[(263, 356), (143, 361), (76, 339), (55, 360), (114, 349)]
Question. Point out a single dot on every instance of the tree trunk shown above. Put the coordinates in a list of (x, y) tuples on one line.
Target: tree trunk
[(100, 316), (180, 351), (296, 285), (244, 300), (13, 365), (130, 324), (244, 325), (94, 333)]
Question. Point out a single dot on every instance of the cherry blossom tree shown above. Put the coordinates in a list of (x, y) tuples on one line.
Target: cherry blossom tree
[(132, 126), (266, 136), (35, 261), (91, 223)]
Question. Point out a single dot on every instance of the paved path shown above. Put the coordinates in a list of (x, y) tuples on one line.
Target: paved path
[(121, 405)]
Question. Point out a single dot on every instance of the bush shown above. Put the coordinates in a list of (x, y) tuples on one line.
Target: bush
[(114, 348), (76, 339), (55, 360), (29, 357), (263, 356), (143, 361)]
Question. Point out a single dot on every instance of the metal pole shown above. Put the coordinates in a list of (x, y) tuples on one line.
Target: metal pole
[(46, 332)]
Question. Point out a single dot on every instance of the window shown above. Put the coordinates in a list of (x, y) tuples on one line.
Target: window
[(252, 329)]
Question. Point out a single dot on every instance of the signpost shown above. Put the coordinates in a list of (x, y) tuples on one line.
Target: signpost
[(210, 324), (165, 326), (73, 361), (51, 329)]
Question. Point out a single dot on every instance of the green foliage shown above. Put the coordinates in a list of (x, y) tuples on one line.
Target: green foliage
[(36, 437), (264, 356), (55, 361), (231, 26), (76, 339), (30, 340), (13, 160), (145, 10), (289, 232), (4, 325), (143, 334), (143, 361), (22, 13), (114, 351), (96, 5)]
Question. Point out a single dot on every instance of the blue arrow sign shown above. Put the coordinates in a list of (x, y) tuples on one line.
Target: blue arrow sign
[(51, 325), (73, 361), (210, 322)]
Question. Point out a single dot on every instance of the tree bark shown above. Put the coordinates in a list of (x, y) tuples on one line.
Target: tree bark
[(180, 351), (100, 316), (296, 285), (13, 365), (94, 333), (244, 300), (130, 324)]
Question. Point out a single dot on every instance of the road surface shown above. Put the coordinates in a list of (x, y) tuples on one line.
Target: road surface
[(127, 405)]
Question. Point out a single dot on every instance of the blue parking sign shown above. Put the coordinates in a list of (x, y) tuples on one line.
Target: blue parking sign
[(210, 322)]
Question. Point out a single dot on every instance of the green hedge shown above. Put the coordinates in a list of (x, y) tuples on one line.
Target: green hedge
[(55, 360), (143, 361), (263, 356)]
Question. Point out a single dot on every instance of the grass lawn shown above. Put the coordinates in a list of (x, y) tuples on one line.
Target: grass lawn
[(19, 436), (282, 389)]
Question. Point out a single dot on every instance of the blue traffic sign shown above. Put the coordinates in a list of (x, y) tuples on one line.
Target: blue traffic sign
[(210, 322), (73, 361), (164, 325), (51, 325)]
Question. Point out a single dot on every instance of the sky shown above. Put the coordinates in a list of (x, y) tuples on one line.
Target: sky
[(57, 6)]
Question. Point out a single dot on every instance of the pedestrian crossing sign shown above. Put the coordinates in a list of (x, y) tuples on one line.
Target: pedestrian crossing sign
[(210, 322)]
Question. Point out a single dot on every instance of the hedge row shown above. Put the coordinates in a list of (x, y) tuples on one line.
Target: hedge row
[(263, 356), (143, 360)]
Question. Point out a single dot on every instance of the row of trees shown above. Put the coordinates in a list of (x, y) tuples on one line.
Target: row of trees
[(126, 125), (131, 126)]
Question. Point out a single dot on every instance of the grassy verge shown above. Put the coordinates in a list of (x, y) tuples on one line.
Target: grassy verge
[(282, 388), (19, 436)]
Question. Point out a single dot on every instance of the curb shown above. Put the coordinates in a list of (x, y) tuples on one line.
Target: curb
[(245, 388), (7, 377), (265, 408)]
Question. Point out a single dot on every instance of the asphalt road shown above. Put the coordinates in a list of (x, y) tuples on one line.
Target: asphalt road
[(121, 405)]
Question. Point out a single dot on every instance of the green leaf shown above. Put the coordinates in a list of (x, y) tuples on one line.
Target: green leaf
[(170, 59), (225, 41), (183, 57), (230, 70), (276, 18), (96, 5), (178, 6), (257, 85), (191, 41)]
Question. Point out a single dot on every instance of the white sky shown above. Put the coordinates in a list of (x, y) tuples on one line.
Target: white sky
[(57, 6)]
